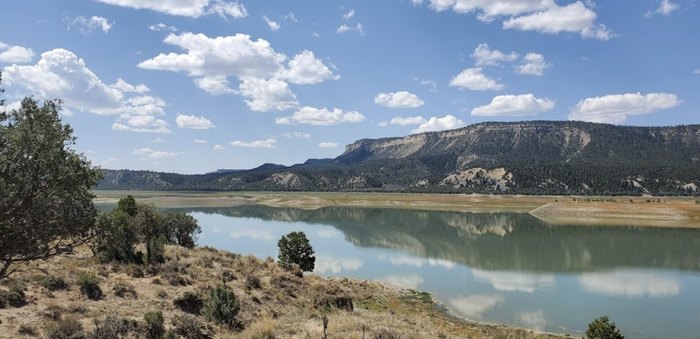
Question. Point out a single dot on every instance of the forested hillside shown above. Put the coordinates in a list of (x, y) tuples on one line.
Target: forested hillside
[(538, 157)]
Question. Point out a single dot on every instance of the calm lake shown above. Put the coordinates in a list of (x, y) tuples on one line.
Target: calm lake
[(499, 267)]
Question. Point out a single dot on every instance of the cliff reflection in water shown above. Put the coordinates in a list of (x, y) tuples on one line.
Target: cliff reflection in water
[(496, 241)]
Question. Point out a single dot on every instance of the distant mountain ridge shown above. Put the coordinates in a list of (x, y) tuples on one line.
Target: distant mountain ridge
[(534, 157)]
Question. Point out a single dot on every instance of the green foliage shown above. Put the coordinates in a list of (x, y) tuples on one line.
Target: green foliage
[(222, 306), (294, 248), (154, 325), (183, 229), (45, 199), (128, 205), (68, 328), (130, 223), (89, 285), (603, 328), (189, 302), (53, 283), (116, 238), (14, 297)]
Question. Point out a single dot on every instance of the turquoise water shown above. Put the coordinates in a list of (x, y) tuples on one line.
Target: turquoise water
[(497, 267)]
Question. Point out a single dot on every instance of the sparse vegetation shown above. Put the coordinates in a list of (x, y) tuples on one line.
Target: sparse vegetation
[(89, 285), (295, 248), (68, 328), (190, 327), (189, 302), (154, 325), (14, 296), (112, 327), (222, 306), (121, 289), (53, 283)]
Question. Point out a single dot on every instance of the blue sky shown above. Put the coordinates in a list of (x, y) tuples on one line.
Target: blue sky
[(192, 86)]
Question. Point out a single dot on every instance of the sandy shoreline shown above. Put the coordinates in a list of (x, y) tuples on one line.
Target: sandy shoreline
[(638, 211)]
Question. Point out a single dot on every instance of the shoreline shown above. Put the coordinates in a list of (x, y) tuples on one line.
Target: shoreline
[(557, 210), (283, 304)]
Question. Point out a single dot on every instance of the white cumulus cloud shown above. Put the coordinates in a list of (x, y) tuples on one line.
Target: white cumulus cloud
[(615, 108), (401, 99), (320, 117), (214, 84), (305, 69), (544, 16), (61, 74), (573, 18), (265, 95), (200, 141), (483, 55), (193, 122), (474, 79), (533, 64), (262, 71), (15, 54), (88, 25), (129, 88), (439, 124), (154, 154), (514, 105), (188, 8), (267, 143)]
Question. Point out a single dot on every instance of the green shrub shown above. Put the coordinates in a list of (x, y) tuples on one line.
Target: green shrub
[(222, 306), (112, 327), (189, 327), (89, 285), (603, 328), (52, 283), (154, 325), (117, 238), (182, 229), (14, 297), (189, 302), (121, 289), (69, 328), (294, 248)]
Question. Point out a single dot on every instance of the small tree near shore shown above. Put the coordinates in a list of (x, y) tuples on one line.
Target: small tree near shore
[(603, 328), (294, 248)]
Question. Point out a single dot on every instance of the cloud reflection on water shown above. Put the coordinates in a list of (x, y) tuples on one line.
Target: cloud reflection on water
[(515, 281), (631, 284)]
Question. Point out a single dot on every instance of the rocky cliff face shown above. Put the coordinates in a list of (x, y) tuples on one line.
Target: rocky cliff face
[(536, 157)]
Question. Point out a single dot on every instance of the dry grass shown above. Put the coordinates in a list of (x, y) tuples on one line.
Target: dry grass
[(284, 306)]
